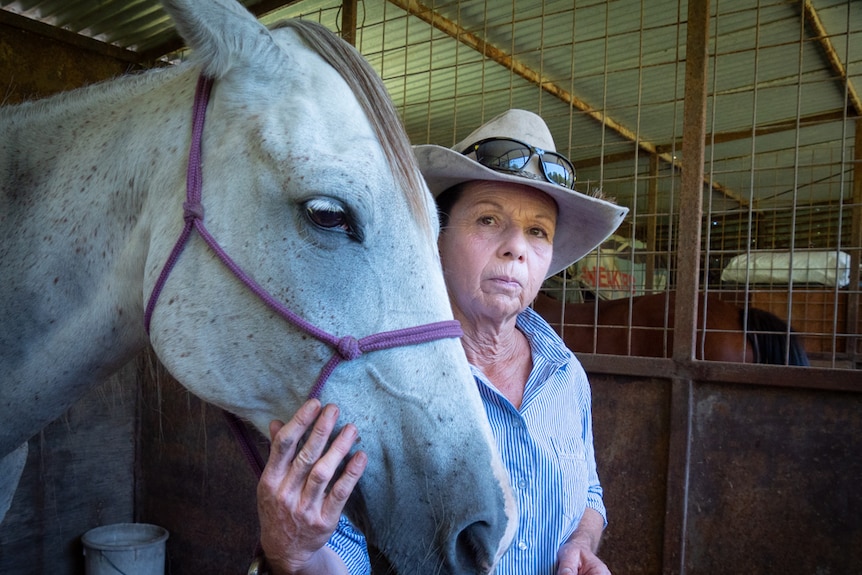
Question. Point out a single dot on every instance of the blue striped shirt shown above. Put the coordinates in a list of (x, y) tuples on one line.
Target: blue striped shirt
[(547, 447), (351, 547)]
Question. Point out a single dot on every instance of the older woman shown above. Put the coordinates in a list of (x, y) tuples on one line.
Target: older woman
[(510, 218)]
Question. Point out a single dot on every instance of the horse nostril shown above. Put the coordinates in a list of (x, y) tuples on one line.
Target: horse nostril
[(475, 546)]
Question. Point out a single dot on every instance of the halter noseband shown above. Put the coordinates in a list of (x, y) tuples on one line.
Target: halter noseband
[(347, 347)]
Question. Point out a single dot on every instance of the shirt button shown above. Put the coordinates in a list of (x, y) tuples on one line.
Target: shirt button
[(522, 545), (522, 484)]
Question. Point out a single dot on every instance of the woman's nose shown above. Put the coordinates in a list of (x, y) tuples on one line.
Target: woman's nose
[(514, 244)]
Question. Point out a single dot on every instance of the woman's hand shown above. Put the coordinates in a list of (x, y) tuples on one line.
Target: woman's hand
[(574, 559), (577, 556), (297, 511)]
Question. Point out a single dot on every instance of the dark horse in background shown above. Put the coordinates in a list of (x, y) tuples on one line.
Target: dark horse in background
[(643, 326)]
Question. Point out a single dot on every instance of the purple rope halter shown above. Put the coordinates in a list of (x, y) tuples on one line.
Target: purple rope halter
[(346, 348)]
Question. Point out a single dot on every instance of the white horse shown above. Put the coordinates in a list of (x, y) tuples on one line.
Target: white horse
[(310, 186)]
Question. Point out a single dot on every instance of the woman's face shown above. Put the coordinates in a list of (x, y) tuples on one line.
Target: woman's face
[(496, 249)]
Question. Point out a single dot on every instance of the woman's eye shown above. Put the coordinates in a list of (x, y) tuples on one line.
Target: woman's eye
[(486, 220), (539, 233), (328, 214)]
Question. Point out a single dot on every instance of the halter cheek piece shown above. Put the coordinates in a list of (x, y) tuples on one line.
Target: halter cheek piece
[(346, 348)]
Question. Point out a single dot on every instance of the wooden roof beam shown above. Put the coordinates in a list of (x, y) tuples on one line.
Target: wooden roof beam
[(821, 36)]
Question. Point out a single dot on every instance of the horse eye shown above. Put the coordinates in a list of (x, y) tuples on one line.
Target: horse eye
[(328, 214)]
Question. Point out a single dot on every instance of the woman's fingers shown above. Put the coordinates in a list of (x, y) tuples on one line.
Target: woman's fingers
[(285, 437), (315, 443), (303, 471), (343, 486)]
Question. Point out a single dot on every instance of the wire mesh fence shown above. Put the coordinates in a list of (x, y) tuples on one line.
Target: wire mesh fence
[(781, 224)]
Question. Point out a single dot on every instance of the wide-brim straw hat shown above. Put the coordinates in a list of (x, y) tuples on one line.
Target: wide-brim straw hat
[(583, 221)]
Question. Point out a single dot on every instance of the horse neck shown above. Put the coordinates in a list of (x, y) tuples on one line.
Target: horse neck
[(84, 163), (77, 173)]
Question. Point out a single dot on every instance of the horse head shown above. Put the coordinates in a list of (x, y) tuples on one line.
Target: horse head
[(310, 185)]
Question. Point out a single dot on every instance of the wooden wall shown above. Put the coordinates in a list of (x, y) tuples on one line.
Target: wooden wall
[(818, 314), (34, 66), (80, 474)]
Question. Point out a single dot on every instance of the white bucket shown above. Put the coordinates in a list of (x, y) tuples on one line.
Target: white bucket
[(125, 549)]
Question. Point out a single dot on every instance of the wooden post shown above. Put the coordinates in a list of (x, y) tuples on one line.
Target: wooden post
[(688, 273), (691, 195), (348, 21)]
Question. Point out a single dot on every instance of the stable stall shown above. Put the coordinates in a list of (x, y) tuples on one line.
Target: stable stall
[(730, 132)]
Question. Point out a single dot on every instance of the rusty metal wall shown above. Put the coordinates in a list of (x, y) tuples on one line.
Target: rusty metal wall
[(775, 477), (770, 480), (771, 486), (631, 426)]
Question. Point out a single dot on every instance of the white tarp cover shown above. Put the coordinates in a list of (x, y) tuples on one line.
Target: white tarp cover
[(829, 268)]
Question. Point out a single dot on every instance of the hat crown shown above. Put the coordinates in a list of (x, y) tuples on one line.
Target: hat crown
[(520, 125), (583, 222)]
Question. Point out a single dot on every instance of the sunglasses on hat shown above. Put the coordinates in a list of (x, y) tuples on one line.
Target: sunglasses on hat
[(508, 155)]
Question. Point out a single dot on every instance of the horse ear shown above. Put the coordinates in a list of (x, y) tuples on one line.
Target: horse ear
[(221, 33)]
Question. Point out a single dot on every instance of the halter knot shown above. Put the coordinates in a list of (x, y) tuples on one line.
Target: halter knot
[(348, 348), (193, 211)]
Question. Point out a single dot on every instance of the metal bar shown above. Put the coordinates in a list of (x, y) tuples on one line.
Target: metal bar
[(678, 470), (688, 264), (766, 129)]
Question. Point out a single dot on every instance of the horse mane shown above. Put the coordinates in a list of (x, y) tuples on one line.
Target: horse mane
[(375, 102), (101, 93), (768, 335)]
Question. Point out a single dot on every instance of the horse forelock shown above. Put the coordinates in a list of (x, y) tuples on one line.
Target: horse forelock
[(375, 102)]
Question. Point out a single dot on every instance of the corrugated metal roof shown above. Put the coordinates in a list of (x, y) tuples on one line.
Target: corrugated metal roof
[(137, 25), (616, 73)]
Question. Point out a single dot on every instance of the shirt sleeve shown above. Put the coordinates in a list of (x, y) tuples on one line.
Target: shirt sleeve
[(595, 499), (350, 545)]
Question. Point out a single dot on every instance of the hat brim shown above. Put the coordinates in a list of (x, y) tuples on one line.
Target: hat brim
[(583, 222)]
